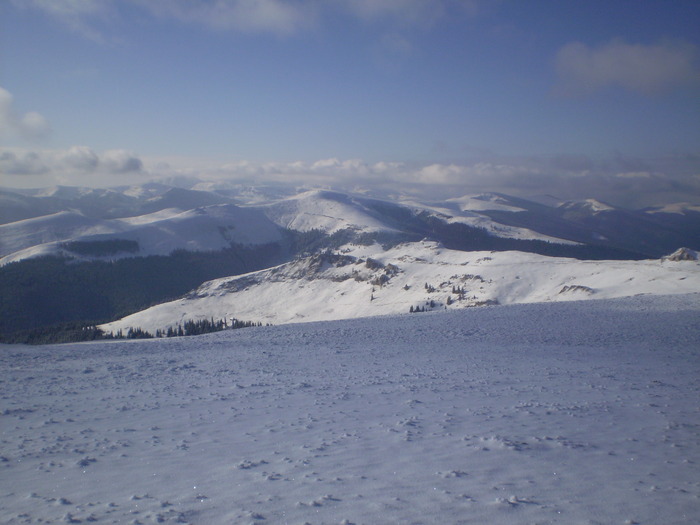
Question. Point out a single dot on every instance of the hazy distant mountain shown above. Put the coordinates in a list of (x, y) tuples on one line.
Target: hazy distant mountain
[(651, 233), (203, 229), (160, 219)]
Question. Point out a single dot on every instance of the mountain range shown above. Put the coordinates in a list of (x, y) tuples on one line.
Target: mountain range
[(279, 254)]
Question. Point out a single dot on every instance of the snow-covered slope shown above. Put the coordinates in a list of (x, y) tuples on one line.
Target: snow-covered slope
[(570, 413), (368, 281), (16, 207), (333, 211), (93, 202), (485, 202), (584, 229), (328, 211), (50, 229), (470, 211), (201, 229), (587, 206), (678, 208), (182, 199)]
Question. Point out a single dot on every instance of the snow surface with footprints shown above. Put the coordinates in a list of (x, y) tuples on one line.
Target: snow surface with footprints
[(577, 412)]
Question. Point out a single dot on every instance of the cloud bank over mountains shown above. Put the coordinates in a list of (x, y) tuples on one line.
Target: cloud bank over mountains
[(71, 164), (631, 182)]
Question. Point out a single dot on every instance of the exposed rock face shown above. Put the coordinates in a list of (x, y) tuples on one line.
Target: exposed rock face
[(682, 254)]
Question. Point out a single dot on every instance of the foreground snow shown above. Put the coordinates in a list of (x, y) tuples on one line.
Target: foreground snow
[(577, 412)]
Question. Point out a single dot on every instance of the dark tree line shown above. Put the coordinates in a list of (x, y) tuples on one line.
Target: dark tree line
[(418, 309), (189, 327), (76, 332), (101, 248), (45, 292)]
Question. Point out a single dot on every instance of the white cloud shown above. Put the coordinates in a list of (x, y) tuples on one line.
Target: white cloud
[(34, 125), (352, 167), (653, 181), (27, 163), (76, 165), (66, 8), (403, 11), (634, 175), (641, 68), (30, 126), (326, 164), (440, 174), (121, 161), (80, 158), (250, 16), (78, 16), (91, 18), (333, 172)]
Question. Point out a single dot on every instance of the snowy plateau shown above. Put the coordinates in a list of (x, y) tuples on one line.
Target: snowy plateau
[(581, 412)]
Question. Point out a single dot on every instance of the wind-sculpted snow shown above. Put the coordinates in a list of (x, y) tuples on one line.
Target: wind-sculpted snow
[(578, 412)]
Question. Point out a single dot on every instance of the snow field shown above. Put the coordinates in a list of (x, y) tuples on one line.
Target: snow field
[(208, 228), (577, 412), (299, 292)]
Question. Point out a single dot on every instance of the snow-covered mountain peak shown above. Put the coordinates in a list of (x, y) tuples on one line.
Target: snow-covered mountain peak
[(185, 199), (682, 254), (484, 202), (678, 208), (324, 210), (589, 205), (596, 205), (145, 191), (471, 222), (62, 192)]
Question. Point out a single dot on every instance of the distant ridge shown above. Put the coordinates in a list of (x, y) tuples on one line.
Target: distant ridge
[(71, 255)]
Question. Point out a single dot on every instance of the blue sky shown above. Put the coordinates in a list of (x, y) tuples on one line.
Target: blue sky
[(599, 97)]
